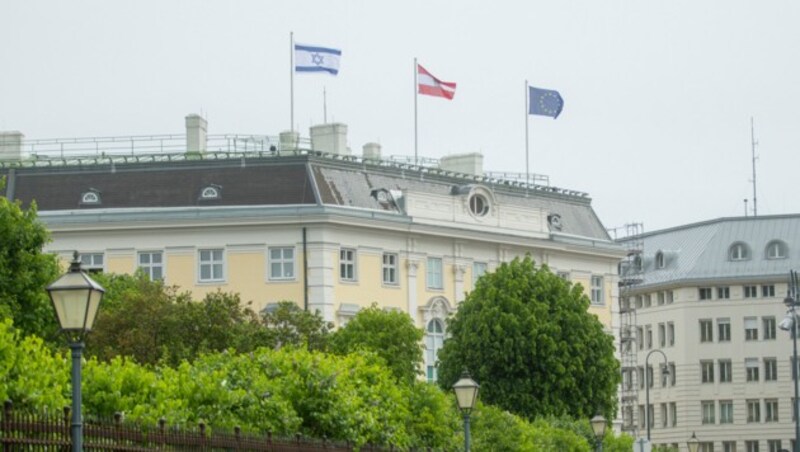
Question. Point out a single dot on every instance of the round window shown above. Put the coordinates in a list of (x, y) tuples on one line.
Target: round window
[(478, 205)]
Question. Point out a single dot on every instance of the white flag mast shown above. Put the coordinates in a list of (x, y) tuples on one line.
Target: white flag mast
[(291, 81), (416, 94), (527, 161)]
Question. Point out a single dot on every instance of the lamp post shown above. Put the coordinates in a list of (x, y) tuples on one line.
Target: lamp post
[(789, 323), (466, 394), (693, 443), (599, 427), (76, 298), (647, 386)]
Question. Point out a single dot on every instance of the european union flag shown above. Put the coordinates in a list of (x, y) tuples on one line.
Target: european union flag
[(545, 102)]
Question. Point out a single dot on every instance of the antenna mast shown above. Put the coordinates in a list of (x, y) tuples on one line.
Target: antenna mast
[(754, 143)]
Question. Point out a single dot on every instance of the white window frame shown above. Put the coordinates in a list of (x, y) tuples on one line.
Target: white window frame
[(708, 412), (434, 273), (93, 262), (768, 291), (753, 410), (776, 249), (150, 266), (771, 410), (751, 370), (283, 262), (670, 334), (706, 330), (725, 370), (751, 328), (726, 411), (390, 273), (704, 293), (598, 297), (706, 371), (348, 265), (750, 291), (434, 340), (723, 330), (769, 326), (770, 369), (739, 251), (480, 268), (215, 258)]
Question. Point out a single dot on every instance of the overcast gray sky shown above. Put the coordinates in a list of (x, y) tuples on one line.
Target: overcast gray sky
[(658, 95)]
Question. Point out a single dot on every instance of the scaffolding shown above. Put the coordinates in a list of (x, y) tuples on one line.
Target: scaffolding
[(630, 275)]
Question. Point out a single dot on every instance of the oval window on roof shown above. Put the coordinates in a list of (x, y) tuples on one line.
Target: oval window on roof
[(777, 249), (659, 260), (478, 205), (90, 197), (739, 251)]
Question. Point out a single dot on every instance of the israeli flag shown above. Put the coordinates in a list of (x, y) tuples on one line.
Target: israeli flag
[(316, 59)]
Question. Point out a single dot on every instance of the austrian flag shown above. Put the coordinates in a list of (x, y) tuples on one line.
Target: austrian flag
[(432, 86)]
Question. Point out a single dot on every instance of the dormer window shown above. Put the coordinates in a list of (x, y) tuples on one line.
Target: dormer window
[(478, 205), (776, 249), (739, 252), (659, 260), (211, 192), (90, 197)]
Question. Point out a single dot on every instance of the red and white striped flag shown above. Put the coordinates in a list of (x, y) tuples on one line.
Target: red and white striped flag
[(432, 86)]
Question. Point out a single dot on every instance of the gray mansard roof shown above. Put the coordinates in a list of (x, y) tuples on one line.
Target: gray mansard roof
[(312, 179), (700, 253)]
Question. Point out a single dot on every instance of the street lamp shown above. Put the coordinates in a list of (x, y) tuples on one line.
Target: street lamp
[(466, 394), (647, 386), (599, 427), (693, 443), (789, 324), (76, 298)]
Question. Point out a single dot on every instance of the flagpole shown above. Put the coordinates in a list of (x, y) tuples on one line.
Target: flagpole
[(416, 94), (324, 106), (527, 154), (291, 81)]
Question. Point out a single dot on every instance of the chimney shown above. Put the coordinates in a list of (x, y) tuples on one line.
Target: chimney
[(470, 163), (372, 151), (331, 138), (11, 145), (289, 140), (196, 128)]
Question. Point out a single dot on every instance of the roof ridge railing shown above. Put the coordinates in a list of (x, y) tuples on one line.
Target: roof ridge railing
[(238, 146)]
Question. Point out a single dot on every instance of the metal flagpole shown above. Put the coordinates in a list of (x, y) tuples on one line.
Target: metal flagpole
[(324, 106), (527, 158), (416, 90), (291, 81)]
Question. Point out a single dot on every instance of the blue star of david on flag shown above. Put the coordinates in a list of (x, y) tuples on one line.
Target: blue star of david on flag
[(545, 102), (316, 59)]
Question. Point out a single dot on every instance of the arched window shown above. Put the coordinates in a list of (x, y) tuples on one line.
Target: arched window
[(776, 249), (90, 197), (659, 260), (210, 192), (434, 338), (739, 252)]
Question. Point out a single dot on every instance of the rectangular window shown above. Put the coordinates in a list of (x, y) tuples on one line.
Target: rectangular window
[(673, 413), (770, 410), (640, 337), (389, 268), (434, 272), (664, 376), (638, 301), (705, 446), (724, 330), (670, 296), (707, 371), (650, 375), (347, 264), (729, 446), (768, 291), (152, 264), (704, 293), (672, 374), (708, 411), (648, 301), (641, 416), (671, 334), (640, 371), (751, 446), (648, 336), (725, 371), (212, 267), (751, 369), (706, 330), (768, 324), (770, 369), (726, 411), (281, 263), (751, 328), (750, 291), (774, 445), (479, 269), (92, 262), (664, 416), (753, 410), (662, 335), (723, 293), (661, 298), (597, 290)]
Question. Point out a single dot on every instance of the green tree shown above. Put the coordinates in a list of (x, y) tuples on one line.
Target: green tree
[(290, 325), (389, 334), (526, 336), (25, 270)]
